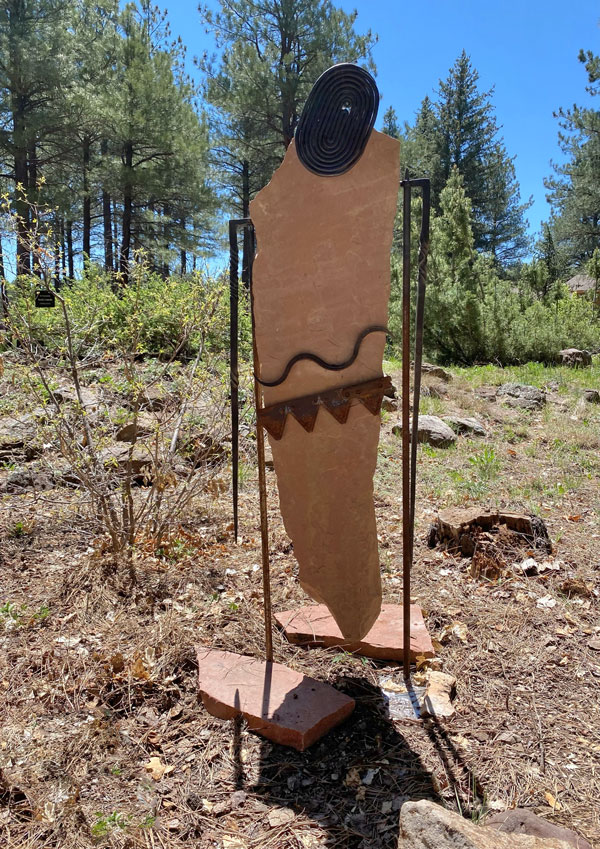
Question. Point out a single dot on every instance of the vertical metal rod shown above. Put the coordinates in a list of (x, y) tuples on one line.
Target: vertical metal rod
[(406, 547), (234, 225), (262, 488), (233, 366), (419, 320)]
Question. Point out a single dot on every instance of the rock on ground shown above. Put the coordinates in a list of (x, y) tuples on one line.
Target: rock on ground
[(18, 437), (143, 426), (591, 395), (436, 371), (575, 358), (522, 395), (118, 457), (435, 390), (441, 689), (461, 424), (425, 825), (433, 431), (90, 400), (27, 479), (524, 821)]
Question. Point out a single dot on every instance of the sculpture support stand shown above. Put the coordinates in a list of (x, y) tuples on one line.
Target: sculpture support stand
[(409, 447), (235, 225), (278, 703)]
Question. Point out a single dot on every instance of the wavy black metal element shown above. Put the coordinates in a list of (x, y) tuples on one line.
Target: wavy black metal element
[(375, 328), (337, 120)]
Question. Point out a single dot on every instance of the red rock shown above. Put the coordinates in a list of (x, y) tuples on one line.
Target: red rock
[(277, 702), (314, 625)]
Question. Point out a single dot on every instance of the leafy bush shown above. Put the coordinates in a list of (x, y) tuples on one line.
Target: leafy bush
[(166, 318)]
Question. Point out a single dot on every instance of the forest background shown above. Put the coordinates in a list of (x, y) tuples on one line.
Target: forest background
[(113, 158)]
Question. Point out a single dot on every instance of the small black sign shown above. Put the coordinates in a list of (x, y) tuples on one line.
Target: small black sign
[(45, 298)]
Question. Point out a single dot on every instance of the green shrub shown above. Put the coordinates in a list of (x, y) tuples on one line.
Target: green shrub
[(166, 318)]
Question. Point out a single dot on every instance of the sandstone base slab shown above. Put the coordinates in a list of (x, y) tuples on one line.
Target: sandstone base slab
[(425, 825), (314, 625), (277, 702)]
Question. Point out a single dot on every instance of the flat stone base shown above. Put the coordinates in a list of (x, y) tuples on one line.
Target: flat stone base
[(314, 625), (277, 702)]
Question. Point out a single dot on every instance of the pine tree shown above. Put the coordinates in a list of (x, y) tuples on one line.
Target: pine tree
[(453, 328), (500, 225), (469, 141), (36, 69), (390, 123), (424, 150), (272, 53), (574, 191)]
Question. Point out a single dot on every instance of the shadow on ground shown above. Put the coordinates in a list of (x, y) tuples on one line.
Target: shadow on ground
[(353, 782)]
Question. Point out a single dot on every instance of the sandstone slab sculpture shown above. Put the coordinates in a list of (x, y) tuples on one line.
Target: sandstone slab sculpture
[(278, 703), (321, 278)]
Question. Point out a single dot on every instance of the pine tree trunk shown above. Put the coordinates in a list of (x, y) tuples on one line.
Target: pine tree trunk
[(127, 216), (57, 258), (115, 219), (183, 253), (87, 202), (70, 250), (33, 189), (167, 245), (63, 252), (106, 221), (22, 183), (247, 235), (3, 294)]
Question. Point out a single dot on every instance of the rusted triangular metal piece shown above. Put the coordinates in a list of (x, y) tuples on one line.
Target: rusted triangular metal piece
[(306, 415), (337, 402), (273, 419), (372, 403), (338, 409)]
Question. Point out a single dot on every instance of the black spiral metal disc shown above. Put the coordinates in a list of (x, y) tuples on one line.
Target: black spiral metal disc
[(337, 120)]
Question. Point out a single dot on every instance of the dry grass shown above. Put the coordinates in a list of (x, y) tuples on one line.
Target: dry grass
[(97, 666)]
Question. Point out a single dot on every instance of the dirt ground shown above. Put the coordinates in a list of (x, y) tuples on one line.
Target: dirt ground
[(98, 669)]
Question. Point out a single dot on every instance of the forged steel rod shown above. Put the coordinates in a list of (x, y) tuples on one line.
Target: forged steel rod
[(233, 363), (409, 461), (424, 185), (262, 478), (406, 547), (234, 225)]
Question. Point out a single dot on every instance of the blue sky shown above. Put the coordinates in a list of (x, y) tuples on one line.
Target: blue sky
[(526, 50)]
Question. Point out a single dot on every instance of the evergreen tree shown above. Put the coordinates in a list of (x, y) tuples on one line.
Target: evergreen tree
[(36, 42), (453, 327), (468, 140), (272, 53), (390, 123), (500, 224), (574, 191), (424, 150), (593, 269)]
